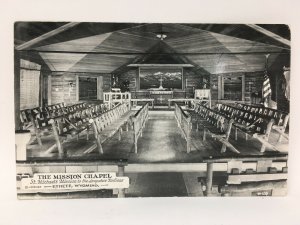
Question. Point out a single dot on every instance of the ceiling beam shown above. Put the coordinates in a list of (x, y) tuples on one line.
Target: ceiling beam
[(46, 35), (270, 34), (284, 51), (160, 65)]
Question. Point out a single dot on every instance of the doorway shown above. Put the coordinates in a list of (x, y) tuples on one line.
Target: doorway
[(87, 88)]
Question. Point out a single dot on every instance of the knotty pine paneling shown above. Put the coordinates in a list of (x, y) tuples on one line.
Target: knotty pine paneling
[(253, 84), (130, 76), (64, 86)]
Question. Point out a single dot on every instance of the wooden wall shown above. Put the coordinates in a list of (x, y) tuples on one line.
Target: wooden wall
[(191, 80), (63, 87), (253, 84), (130, 76), (194, 80)]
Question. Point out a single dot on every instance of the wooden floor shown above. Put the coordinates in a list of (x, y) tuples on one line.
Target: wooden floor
[(161, 142)]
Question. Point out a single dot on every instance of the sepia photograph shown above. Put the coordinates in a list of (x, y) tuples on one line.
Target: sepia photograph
[(124, 110)]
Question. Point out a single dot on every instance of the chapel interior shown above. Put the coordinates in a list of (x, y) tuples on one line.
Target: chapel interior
[(181, 109)]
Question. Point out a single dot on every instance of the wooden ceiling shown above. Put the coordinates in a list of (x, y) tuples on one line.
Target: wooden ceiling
[(105, 48)]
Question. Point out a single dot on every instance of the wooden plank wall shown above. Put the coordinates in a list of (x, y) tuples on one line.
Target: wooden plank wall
[(57, 89), (253, 83), (63, 86), (194, 80), (131, 76)]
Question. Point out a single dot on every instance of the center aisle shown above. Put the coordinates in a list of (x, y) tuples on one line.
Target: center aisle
[(161, 138), (161, 143)]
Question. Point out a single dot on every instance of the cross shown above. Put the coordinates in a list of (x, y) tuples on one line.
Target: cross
[(160, 80)]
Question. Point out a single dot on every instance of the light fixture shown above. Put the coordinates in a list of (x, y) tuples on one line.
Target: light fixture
[(161, 36)]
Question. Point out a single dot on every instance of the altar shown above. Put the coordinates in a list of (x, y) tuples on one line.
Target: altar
[(161, 97), (160, 82)]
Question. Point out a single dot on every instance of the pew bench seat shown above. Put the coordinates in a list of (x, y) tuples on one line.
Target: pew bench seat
[(114, 127), (211, 128), (108, 124), (216, 125), (74, 131)]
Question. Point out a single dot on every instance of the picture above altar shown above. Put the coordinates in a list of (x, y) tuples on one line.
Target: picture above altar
[(160, 79)]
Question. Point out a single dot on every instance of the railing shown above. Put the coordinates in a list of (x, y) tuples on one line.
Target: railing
[(185, 125), (113, 98), (139, 121), (253, 174), (274, 165)]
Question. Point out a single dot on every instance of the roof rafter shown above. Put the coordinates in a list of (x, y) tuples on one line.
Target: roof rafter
[(270, 34), (46, 35)]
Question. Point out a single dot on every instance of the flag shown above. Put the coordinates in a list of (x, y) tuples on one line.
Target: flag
[(266, 86)]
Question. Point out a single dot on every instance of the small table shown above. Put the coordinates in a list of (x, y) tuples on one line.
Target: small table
[(136, 100)]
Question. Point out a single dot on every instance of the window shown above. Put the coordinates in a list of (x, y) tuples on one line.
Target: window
[(87, 88), (29, 84), (231, 87)]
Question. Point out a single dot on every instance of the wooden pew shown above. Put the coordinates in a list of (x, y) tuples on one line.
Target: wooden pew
[(216, 125), (67, 126), (185, 125), (97, 110), (40, 123), (39, 117), (139, 120), (280, 118), (255, 122), (25, 118), (108, 124), (55, 110)]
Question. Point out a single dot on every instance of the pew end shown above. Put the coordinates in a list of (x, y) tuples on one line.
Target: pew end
[(22, 138)]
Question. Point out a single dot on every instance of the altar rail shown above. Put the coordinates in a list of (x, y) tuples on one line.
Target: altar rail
[(262, 178), (114, 98), (185, 125), (139, 122), (237, 165)]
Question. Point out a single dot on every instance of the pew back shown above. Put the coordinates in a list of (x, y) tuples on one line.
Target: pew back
[(139, 120), (184, 123)]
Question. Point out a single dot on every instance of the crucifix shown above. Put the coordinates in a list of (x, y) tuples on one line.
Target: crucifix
[(160, 82)]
